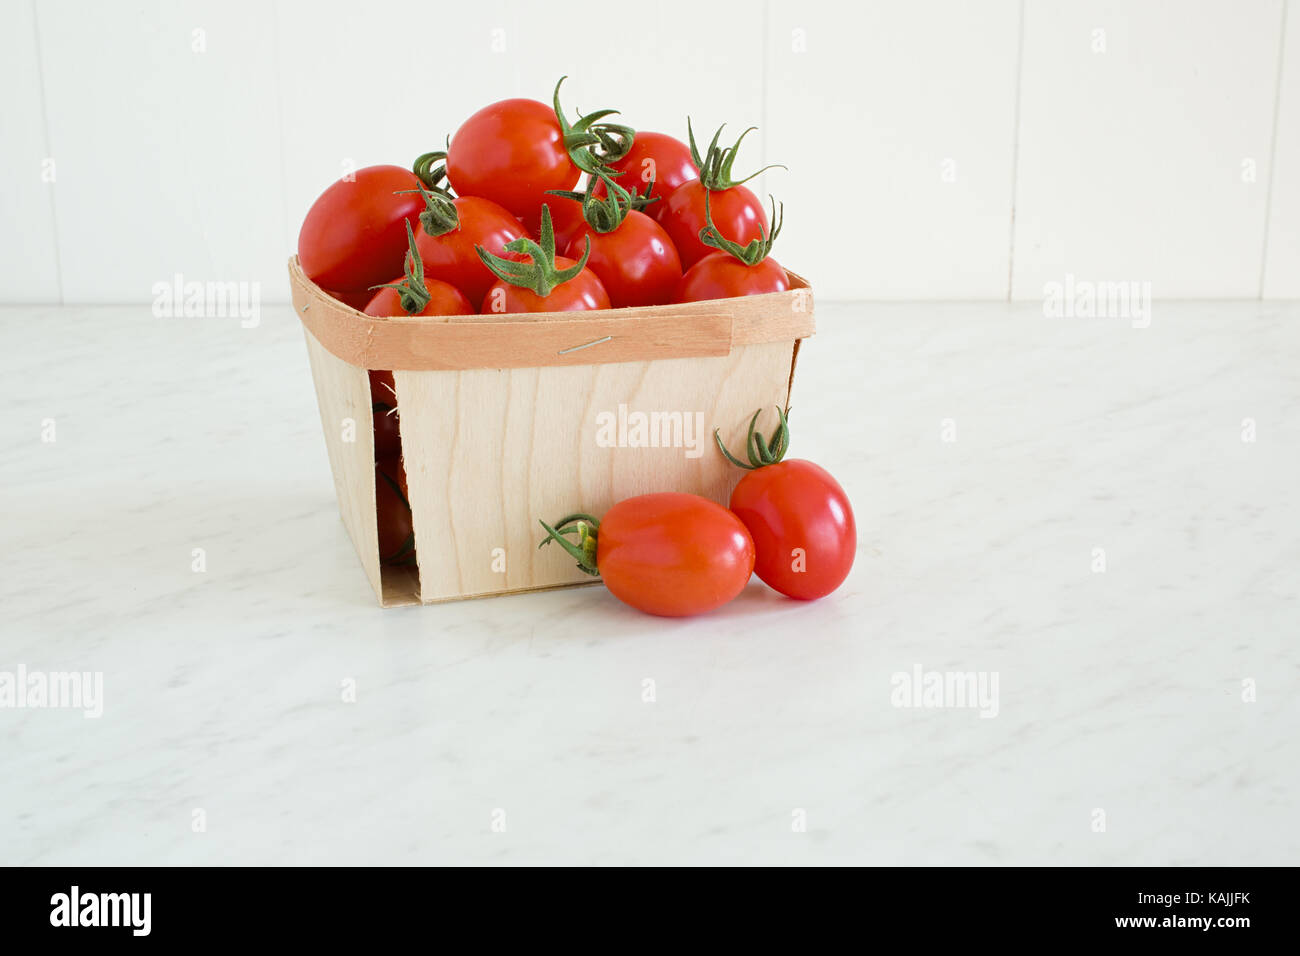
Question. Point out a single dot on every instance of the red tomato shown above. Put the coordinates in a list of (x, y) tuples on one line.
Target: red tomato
[(511, 152), (659, 157), (444, 299), (383, 405), (720, 275), (354, 235), (383, 390), (451, 256), (354, 300), (737, 213), (802, 525), (583, 291), (673, 554), (636, 262), (396, 532)]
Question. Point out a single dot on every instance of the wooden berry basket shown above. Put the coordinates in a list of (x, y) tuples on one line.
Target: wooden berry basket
[(499, 421)]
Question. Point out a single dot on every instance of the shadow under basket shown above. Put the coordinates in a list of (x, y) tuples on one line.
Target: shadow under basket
[(506, 419)]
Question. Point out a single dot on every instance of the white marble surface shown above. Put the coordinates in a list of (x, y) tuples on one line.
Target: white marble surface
[(1119, 690)]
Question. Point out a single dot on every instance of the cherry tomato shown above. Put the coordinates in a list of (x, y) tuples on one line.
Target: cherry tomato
[(354, 235), (583, 291), (382, 389), (636, 262), (720, 275), (802, 525), (393, 510), (511, 152), (659, 157), (383, 404), (358, 299), (737, 214), (673, 554), (451, 256), (444, 299)]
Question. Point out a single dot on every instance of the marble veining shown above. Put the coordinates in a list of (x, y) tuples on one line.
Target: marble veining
[(1069, 503)]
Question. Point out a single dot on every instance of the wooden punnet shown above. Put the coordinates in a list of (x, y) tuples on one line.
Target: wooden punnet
[(509, 418)]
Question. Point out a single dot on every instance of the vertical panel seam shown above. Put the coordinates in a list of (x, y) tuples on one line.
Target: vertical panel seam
[(1015, 151), (49, 149), (1272, 150)]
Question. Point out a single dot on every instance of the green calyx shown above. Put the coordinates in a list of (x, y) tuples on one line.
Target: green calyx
[(756, 250), (584, 549), (606, 213), (715, 165), (761, 452), (412, 292), (592, 145), (539, 274), (440, 215)]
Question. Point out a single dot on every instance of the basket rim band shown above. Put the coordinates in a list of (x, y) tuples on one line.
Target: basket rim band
[(540, 340)]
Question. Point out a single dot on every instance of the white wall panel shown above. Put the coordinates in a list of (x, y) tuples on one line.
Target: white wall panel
[(897, 123), (1148, 160), (1282, 266), (365, 83), (1145, 132), (166, 142), (28, 263), (656, 63)]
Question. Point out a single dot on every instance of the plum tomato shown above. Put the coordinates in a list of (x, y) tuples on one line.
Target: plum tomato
[(669, 554)]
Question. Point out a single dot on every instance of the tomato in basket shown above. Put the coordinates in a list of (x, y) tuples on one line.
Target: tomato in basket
[(514, 151), (354, 235), (532, 278), (738, 213), (734, 270)]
